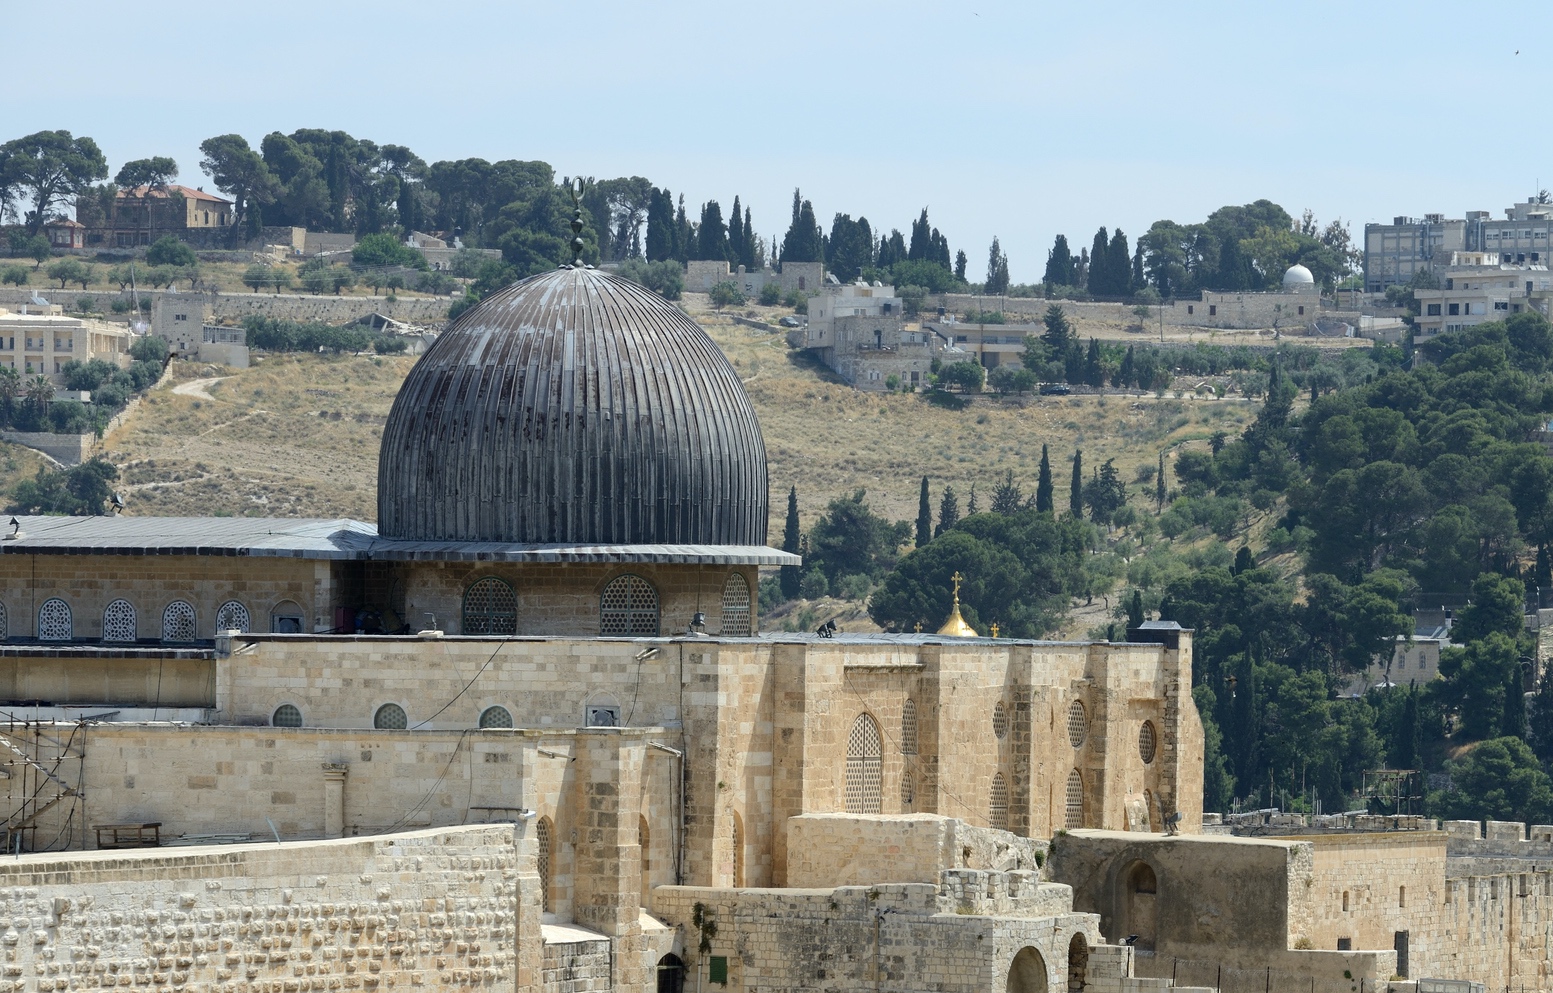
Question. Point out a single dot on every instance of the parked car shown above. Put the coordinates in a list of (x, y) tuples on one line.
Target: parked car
[(1055, 389), (790, 322)]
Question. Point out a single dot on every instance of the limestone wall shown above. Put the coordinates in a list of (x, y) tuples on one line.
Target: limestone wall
[(1367, 887), (852, 849), (432, 909), (291, 306), (69, 449)]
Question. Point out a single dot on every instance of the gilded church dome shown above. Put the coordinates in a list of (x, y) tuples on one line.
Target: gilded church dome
[(576, 408)]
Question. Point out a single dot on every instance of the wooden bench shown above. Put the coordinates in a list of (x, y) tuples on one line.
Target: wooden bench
[(147, 835)]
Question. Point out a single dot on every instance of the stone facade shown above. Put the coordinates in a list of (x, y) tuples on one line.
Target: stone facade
[(803, 277)]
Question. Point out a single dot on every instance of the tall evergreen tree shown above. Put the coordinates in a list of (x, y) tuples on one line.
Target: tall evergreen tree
[(1159, 483), (1139, 277), (948, 511), (660, 226), (1118, 265), (1541, 717), (736, 234), (1126, 374), (1076, 488), (1514, 720), (684, 233), (997, 270), (892, 249), (1099, 283), (1094, 372), (1404, 749), (802, 243), (754, 256), (924, 517), (959, 265), (921, 248), (1135, 609), (971, 509), (1058, 331), (1043, 483), (1059, 264), (712, 235), (790, 576)]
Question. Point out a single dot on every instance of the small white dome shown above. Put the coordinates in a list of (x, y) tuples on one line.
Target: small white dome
[(1298, 275)]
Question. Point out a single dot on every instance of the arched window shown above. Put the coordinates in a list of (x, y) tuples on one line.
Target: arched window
[(286, 618), (997, 809), (54, 620), (909, 728), (286, 716), (1146, 742), (1027, 973), (1075, 811), (1078, 963), (736, 607), (671, 974), (629, 607), (5, 630), (1078, 724), (118, 621), (490, 607), (1000, 720), (864, 767), (232, 616), (178, 622), (496, 717), (908, 792), (544, 840), (390, 717)]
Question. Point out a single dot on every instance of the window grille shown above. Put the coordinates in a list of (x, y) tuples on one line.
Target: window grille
[(908, 792), (909, 728), (1146, 742), (178, 622), (286, 716), (543, 838), (1078, 724), (390, 717), (54, 620), (118, 621), (4, 623), (864, 767), (496, 717), (1000, 720), (1075, 812), (736, 607), (997, 809), (490, 607), (232, 616), (629, 607)]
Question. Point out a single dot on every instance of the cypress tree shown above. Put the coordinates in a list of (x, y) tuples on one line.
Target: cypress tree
[(1244, 561), (1405, 748), (924, 517), (684, 234), (1099, 283), (1059, 264), (712, 236), (1126, 374), (1043, 483), (1159, 483), (1094, 374), (1139, 279), (1118, 265), (1135, 609), (959, 265), (997, 270), (1076, 488), (736, 234), (1514, 720), (660, 226), (948, 511), (790, 574), (802, 243), (753, 257), (971, 509)]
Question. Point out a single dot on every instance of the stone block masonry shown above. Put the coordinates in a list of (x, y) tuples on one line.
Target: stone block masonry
[(430, 311), (430, 909)]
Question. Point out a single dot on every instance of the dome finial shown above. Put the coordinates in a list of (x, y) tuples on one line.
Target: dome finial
[(955, 626), (575, 188)]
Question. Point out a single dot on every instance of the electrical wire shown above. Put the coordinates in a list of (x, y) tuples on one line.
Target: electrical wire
[(405, 819), (460, 693)]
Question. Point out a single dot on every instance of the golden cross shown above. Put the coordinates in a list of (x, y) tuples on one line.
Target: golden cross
[(919, 627), (958, 579), (994, 629)]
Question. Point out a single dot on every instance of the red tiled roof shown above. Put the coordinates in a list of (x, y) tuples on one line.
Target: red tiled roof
[(188, 194)]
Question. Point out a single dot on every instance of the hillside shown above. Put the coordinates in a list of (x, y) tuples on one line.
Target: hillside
[(297, 434)]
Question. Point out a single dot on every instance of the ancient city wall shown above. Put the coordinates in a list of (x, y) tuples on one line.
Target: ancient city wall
[(1368, 887), (432, 909), (291, 306), (852, 849)]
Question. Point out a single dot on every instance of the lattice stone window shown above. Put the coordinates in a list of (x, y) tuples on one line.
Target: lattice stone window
[(629, 607), (736, 607), (1146, 742), (5, 627), (496, 717), (490, 607), (1000, 720), (997, 808), (909, 728), (118, 621), (178, 622), (544, 838), (232, 616), (390, 717), (1078, 724), (286, 716), (908, 792), (54, 620), (864, 767), (1075, 812)]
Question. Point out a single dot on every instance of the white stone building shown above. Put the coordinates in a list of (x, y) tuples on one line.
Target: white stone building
[(33, 343), (1477, 287)]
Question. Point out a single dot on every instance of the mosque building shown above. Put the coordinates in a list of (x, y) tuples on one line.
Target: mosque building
[(524, 734)]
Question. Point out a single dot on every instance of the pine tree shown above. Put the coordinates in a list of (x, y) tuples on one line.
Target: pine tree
[(971, 510), (1043, 483), (1099, 283), (1244, 561), (1059, 264), (924, 517), (790, 576), (948, 511), (1007, 497), (1076, 488), (1135, 609), (1058, 331), (1159, 484)]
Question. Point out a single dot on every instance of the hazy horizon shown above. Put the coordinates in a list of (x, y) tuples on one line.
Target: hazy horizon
[(1002, 119)]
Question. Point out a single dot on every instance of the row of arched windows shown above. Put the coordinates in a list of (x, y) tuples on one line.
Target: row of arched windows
[(389, 717), (628, 607), (121, 621)]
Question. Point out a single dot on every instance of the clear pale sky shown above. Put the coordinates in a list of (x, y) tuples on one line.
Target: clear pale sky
[(1011, 119)]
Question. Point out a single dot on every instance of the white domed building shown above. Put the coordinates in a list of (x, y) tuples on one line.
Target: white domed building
[(1298, 279), (1291, 308)]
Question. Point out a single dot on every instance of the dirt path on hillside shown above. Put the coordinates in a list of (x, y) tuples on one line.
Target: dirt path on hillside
[(198, 387)]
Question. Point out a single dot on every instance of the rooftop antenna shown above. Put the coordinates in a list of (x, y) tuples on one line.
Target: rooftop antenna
[(575, 188)]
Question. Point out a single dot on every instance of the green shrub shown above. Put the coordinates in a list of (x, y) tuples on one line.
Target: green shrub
[(814, 585), (770, 295), (168, 250)]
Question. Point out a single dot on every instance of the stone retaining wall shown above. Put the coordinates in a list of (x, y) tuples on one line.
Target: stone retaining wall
[(291, 306)]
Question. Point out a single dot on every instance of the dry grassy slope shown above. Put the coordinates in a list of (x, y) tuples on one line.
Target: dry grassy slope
[(297, 435)]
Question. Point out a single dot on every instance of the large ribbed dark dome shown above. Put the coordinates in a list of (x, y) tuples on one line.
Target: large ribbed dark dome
[(573, 407)]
